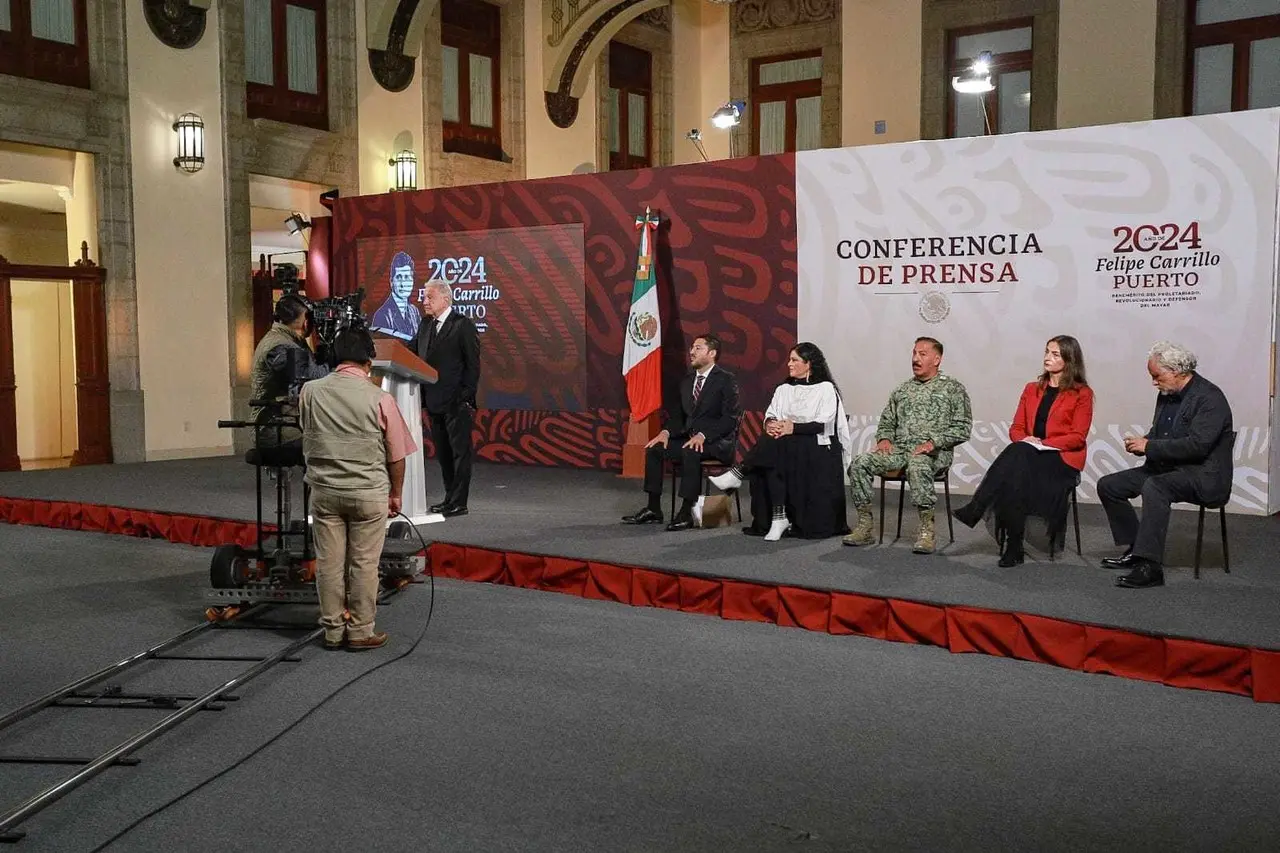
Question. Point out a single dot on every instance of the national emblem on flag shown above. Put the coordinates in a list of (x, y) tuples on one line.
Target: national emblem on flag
[(642, 349)]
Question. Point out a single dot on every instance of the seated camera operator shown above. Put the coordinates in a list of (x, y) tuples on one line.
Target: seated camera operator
[(282, 361), (355, 442)]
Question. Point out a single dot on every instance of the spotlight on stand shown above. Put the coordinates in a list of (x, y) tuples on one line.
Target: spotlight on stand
[(976, 79), (730, 115), (297, 223), (695, 136)]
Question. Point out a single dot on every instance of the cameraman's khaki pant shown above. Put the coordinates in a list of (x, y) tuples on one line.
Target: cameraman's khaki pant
[(349, 532)]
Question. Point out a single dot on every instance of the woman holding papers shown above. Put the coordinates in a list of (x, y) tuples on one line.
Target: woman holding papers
[(797, 467), (1036, 474)]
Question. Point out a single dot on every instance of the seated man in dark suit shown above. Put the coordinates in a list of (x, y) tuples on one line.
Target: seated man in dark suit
[(1188, 458), (704, 425)]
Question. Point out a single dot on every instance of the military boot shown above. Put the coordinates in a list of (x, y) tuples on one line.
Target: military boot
[(924, 539), (861, 534)]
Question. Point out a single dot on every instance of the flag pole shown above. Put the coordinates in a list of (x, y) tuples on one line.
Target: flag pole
[(642, 345)]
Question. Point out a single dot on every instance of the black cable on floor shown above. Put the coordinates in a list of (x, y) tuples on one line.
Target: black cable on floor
[(240, 761)]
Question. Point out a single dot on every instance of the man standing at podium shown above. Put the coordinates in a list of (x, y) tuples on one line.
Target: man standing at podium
[(449, 342)]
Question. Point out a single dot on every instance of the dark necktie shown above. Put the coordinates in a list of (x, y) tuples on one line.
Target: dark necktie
[(431, 332), (697, 388)]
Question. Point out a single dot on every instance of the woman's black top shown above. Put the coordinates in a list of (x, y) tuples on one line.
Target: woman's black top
[(1042, 413)]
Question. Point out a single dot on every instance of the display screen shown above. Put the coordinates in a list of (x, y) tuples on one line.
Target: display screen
[(522, 287)]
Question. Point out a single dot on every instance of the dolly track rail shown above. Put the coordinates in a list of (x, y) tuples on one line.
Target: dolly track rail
[(115, 755)]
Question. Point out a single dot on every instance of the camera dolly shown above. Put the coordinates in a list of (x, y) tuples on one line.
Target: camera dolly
[(281, 566)]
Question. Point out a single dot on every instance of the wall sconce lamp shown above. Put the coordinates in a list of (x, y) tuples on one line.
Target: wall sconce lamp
[(406, 170), (297, 223), (190, 130), (730, 115)]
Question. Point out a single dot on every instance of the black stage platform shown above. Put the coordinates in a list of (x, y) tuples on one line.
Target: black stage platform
[(575, 514)]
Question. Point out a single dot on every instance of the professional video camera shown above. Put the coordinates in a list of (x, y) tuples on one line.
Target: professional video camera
[(336, 314)]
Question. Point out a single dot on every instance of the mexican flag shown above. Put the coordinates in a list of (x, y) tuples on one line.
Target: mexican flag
[(642, 350)]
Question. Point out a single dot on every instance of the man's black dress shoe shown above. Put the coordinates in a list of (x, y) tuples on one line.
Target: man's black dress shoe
[(1144, 574), (438, 507), (644, 516), (750, 530), (451, 510), (1127, 561), (1007, 560), (683, 520)]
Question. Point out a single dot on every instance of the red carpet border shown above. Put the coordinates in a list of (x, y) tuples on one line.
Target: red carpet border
[(199, 530), (1072, 645)]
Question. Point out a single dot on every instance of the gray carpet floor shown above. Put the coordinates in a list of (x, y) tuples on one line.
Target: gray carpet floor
[(530, 721), (575, 514)]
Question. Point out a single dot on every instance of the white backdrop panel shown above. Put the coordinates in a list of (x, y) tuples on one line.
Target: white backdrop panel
[(1120, 235)]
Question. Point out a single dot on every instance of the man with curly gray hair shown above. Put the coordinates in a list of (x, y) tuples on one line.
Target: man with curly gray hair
[(1187, 455)]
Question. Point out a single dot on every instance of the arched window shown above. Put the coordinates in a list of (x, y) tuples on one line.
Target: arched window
[(45, 40)]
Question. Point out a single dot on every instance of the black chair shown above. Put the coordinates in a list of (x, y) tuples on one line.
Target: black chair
[(1075, 518), (900, 476), (710, 468), (1222, 453), (1222, 517)]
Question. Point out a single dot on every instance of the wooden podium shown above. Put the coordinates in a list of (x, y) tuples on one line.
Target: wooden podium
[(400, 373)]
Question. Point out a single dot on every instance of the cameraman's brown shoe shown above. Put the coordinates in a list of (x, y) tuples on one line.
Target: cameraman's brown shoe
[(377, 641)]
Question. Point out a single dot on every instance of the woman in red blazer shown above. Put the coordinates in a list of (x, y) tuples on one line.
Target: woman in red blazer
[(1037, 472)]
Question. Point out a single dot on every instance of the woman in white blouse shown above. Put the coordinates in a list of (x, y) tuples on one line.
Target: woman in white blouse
[(797, 468)]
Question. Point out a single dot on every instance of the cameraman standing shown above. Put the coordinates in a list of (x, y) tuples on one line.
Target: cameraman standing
[(355, 441), (282, 361)]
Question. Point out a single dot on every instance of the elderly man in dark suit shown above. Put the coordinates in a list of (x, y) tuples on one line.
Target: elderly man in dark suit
[(449, 342), (704, 425), (1188, 458)]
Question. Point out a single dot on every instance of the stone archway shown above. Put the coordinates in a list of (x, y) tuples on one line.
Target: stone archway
[(577, 32), (393, 55)]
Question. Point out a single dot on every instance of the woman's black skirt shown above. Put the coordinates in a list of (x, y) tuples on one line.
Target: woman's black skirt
[(1024, 482), (805, 477)]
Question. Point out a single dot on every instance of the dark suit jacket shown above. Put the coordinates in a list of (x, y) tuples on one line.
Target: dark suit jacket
[(716, 414), (455, 354), (1067, 426), (1202, 441)]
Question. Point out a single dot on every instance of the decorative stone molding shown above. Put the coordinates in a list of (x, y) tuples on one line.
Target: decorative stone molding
[(659, 18), (1172, 22), (177, 23), (753, 16), (561, 15), (392, 71), (97, 121), (568, 77), (393, 67)]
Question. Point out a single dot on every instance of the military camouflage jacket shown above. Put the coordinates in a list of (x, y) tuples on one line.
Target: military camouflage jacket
[(937, 410)]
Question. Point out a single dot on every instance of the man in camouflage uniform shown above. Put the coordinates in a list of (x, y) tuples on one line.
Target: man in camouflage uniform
[(925, 418)]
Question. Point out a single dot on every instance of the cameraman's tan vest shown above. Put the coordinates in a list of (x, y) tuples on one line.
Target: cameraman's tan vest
[(269, 386), (342, 439)]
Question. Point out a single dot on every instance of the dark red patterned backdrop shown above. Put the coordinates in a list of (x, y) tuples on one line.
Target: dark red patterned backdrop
[(726, 264)]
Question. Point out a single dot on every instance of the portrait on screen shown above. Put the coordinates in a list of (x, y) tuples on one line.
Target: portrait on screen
[(398, 316), (523, 288)]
